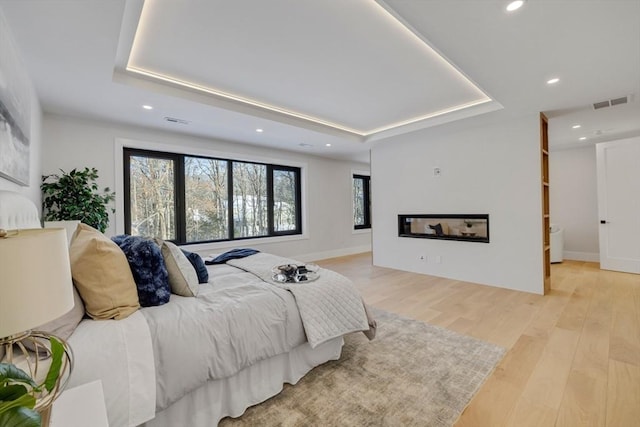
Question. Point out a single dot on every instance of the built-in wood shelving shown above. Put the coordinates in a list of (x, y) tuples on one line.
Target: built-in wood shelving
[(546, 237)]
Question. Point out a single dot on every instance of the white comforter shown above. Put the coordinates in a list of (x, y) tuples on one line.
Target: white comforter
[(330, 306), (235, 321)]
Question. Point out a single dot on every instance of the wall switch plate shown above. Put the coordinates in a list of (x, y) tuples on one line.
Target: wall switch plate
[(438, 259), (422, 258)]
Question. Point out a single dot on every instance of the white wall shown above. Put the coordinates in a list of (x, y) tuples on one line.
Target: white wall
[(76, 143), (492, 169), (574, 200), (33, 190)]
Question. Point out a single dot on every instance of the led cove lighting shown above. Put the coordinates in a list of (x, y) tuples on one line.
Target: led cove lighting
[(553, 81), (147, 107), (259, 130), (575, 127), (515, 5)]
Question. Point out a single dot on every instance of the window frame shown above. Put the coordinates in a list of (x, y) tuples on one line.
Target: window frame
[(180, 194), (366, 190)]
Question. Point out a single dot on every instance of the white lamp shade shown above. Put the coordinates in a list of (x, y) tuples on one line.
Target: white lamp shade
[(35, 279)]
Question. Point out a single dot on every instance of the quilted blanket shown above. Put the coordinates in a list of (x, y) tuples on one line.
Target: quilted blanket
[(329, 306)]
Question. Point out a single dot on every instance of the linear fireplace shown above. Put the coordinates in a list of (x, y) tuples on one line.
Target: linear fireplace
[(465, 227)]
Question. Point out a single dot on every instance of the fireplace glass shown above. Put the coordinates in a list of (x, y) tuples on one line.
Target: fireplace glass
[(465, 227)]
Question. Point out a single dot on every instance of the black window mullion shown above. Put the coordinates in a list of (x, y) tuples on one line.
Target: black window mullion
[(367, 202), (270, 200), (127, 190), (298, 201), (230, 199), (180, 199)]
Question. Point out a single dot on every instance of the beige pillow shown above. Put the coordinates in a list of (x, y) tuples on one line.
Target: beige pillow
[(183, 278), (63, 326), (102, 275)]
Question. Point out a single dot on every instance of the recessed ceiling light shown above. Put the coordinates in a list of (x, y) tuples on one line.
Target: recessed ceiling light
[(553, 81), (575, 127), (327, 145), (514, 5), (582, 138), (259, 130), (147, 107)]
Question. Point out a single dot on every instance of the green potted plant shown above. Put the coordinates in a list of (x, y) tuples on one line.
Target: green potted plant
[(19, 392), (75, 196)]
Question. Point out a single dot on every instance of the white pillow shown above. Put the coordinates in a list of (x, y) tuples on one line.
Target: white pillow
[(183, 278)]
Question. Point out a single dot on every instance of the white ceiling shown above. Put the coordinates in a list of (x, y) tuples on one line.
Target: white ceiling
[(349, 65)]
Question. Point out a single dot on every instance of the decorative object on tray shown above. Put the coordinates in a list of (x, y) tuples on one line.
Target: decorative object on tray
[(32, 295), (292, 273), (74, 196)]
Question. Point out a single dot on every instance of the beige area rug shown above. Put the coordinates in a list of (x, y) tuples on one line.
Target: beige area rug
[(412, 374)]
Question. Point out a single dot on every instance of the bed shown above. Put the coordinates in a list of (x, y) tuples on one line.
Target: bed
[(198, 360)]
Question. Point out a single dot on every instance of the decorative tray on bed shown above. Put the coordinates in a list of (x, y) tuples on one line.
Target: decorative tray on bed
[(292, 273)]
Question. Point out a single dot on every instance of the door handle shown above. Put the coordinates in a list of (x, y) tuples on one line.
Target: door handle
[(602, 221)]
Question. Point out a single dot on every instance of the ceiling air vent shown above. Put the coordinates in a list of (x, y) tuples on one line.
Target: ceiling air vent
[(619, 101), (610, 102), (174, 120)]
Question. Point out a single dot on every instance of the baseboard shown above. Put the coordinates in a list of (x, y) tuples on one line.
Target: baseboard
[(582, 256), (333, 253)]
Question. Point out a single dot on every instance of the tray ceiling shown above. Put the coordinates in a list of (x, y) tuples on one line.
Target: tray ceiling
[(352, 66)]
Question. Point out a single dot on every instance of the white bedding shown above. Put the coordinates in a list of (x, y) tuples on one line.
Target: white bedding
[(330, 306), (118, 352), (235, 321)]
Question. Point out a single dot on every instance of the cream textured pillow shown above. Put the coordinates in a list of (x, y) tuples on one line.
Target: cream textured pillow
[(183, 278), (102, 275)]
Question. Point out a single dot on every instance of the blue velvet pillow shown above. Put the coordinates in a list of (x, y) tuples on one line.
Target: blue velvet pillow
[(232, 254), (147, 265), (198, 265)]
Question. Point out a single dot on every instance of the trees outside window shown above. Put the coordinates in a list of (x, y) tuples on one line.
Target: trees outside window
[(190, 199), (206, 199), (249, 200), (152, 197), (361, 202)]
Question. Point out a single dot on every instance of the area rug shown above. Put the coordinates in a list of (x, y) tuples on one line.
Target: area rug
[(412, 374)]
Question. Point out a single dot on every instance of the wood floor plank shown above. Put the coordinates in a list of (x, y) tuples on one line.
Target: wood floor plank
[(531, 414), (625, 330), (623, 394), (584, 402), (549, 378)]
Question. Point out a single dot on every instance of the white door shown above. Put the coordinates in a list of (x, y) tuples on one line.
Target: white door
[(619, 204)]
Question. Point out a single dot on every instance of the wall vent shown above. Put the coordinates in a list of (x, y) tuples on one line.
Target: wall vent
[(174, 120), (610, 102)]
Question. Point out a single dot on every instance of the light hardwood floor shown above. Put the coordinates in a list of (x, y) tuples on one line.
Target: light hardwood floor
[(573, 355)]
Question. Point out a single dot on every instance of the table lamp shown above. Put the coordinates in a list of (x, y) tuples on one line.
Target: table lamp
[(35, 288)]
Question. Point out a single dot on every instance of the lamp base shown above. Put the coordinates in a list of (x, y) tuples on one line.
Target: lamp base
[(31, 352), (45, 416)]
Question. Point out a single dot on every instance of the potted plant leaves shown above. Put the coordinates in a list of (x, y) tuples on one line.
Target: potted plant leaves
[(75, 196)]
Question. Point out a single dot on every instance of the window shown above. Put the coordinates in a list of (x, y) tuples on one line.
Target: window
[(194, 199), (361, 202)]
